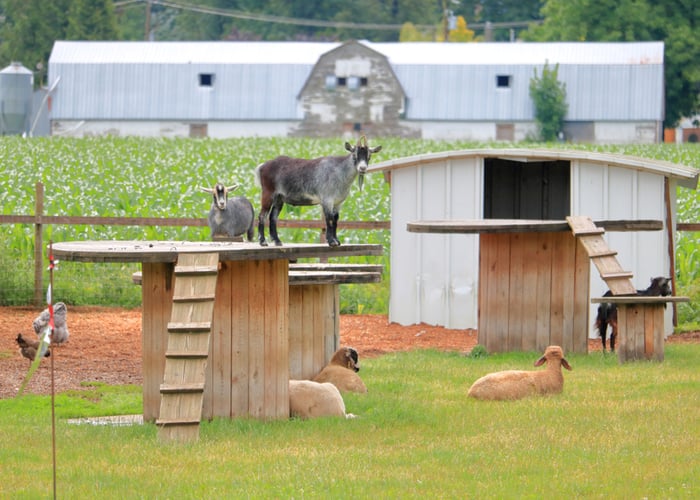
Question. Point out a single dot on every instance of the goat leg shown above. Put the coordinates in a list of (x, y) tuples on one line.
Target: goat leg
[(603, 333), (613, 333), (331, 217), (265, 207), (274, 215), (601, 323), (612, 321), (261, 226)]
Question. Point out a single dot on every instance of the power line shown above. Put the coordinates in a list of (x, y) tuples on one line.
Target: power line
[(267, 18)]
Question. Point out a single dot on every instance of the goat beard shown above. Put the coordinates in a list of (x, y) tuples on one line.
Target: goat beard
[(361, 180)]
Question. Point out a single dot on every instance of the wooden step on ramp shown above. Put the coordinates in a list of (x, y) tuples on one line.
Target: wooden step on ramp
[(189, 332), (591, 237)]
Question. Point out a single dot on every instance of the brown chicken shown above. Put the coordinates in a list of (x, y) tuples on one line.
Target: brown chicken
[(28, 348)]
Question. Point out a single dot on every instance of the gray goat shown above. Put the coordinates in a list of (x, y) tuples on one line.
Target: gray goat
[(324, 181), (229, 217)]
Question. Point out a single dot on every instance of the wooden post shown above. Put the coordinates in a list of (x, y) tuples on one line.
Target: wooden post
[(38, 245), (314, 325), (671, 249)]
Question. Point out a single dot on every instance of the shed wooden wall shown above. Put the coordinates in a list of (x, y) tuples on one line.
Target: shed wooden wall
[(434, 277)]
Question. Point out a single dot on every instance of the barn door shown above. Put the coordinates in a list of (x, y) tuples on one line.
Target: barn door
[(537, 190)]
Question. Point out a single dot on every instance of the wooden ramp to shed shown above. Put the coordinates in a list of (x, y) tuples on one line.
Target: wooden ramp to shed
[(591, 237), (189, 332)]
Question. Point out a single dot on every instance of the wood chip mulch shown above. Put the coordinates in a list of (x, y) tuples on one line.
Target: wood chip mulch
[(105, 345)]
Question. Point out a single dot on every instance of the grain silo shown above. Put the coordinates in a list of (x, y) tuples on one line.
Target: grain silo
[(16, 86)]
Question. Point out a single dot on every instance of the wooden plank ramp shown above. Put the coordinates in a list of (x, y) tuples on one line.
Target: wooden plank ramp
[(186, 355), (591, 237)]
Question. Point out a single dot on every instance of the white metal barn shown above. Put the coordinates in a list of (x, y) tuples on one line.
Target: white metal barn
[(434, 277), (452, 91)]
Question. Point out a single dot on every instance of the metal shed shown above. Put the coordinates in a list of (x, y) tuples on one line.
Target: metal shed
[(435, 278)]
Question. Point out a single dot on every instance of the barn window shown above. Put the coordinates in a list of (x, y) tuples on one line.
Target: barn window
[(330, 82), (536, 190), (342, 81), (206, 79), (353, 83), (503, 81)]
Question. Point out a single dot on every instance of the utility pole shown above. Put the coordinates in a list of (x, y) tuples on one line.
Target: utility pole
[(147, 34), (445, 28)]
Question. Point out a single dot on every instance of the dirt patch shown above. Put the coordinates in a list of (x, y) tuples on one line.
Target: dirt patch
[(105, 345)]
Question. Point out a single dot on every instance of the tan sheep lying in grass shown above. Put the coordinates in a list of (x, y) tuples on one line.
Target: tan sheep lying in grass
[(341, 371), (308, 399), (517, 384)]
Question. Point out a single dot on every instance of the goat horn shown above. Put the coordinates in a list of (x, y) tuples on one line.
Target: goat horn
[(233, 188), (206, 190)]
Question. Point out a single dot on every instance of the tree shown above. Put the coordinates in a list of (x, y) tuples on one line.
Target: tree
[(676, 22), (91, 20), (28, 33), (461, 33), (409, 33), (549, 97), (32, 26)]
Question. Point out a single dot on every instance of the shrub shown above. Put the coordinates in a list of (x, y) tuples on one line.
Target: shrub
[(549, 97)]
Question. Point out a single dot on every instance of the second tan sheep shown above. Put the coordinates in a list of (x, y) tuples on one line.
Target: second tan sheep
[(517, 384)]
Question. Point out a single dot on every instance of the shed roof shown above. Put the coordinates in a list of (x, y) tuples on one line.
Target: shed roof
[(687, 176)]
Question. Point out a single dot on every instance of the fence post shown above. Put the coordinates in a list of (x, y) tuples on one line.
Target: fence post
[(38, 245)]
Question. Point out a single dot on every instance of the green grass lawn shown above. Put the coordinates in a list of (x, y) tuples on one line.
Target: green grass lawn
[(617, 431)]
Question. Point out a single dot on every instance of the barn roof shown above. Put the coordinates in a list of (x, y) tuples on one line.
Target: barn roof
[(618, 53), (687, 176), (103, 52)]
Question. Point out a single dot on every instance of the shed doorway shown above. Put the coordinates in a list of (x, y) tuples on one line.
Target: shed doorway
[(538, 190)]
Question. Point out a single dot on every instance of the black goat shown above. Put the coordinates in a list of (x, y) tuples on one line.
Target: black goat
[(607, 312), (324, 181)]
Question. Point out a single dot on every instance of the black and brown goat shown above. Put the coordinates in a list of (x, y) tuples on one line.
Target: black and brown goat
[(324, 181), (607, 312), (341, 371)]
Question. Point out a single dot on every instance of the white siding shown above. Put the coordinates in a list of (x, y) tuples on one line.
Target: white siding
[(160, 128), (433, 276)]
